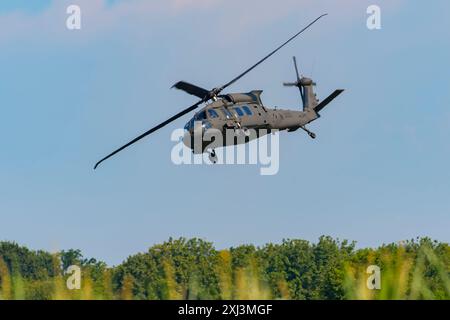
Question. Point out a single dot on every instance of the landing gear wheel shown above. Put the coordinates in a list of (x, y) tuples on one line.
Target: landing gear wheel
[(242, 132), (213, 156)]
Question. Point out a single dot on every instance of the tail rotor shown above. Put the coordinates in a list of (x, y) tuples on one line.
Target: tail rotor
[(298, 83)]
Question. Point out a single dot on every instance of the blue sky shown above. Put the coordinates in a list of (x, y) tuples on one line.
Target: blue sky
[(377, 173), (24, 5)]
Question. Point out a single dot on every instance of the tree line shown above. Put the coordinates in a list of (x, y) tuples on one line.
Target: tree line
[(195, 269)]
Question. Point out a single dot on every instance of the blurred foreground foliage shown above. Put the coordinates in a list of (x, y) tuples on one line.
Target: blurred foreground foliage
[(194, 269)]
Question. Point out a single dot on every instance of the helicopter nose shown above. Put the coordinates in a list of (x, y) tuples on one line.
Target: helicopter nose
[(187, 139), (195, 133), (190, 138)]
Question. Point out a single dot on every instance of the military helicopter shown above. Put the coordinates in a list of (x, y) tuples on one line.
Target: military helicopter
[(243, 111)]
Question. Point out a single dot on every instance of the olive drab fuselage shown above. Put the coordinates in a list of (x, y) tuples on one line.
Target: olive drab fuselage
[(244, 112)]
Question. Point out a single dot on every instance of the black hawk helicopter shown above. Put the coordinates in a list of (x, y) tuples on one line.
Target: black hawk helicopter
[(243, 111)]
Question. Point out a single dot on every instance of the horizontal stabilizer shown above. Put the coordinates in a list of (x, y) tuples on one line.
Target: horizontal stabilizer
[(191, 89), (330, 98)]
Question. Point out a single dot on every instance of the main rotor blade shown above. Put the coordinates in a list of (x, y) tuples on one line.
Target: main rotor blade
[(159, 126), (191, 89), (267, 57)]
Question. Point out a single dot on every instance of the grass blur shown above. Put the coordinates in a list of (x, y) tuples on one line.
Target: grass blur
[(405, 275), (193, 269)]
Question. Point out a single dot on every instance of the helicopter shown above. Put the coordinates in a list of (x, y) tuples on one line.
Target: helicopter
[(244, 113)]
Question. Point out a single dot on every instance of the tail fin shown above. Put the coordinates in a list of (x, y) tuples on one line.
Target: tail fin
[(309, 97)]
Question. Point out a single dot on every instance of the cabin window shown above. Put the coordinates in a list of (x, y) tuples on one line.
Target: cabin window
[(227, 113), (213, 113), (239, 111), (247, 110)]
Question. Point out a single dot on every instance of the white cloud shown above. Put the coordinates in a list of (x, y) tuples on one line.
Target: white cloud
[(230, 16)]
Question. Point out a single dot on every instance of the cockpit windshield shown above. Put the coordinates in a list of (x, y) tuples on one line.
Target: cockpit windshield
[(200, 116), (189, 125)]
